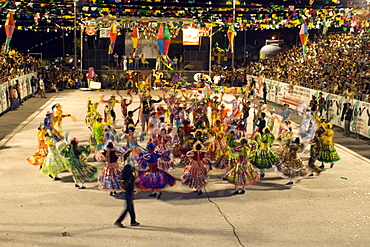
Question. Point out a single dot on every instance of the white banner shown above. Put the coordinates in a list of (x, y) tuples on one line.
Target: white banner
[(190, 36), (25, 85), (281, 93), (104, 32)]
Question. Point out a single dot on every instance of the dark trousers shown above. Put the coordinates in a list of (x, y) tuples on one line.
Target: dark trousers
[(144, 121), (129, 208), (113, 114), (347, 126)]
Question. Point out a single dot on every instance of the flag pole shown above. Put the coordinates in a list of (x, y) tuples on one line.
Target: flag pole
[(210, 52), (233, 41)]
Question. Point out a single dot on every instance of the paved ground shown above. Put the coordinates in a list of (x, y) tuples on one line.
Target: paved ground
[(329, 210)]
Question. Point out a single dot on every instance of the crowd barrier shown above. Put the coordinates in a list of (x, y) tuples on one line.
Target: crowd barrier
[(25, 85), (283, 93)]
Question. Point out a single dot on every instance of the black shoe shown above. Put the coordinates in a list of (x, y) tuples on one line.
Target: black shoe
[(262, 175), (319, 171), (56, 178), (322, 166), (111, 193), (82, 187), (159, 195), (200, 192), (135, 224), (332, 165), (77, 186), (242, 192), (290, 183), (51, 177), (236, 192), (311, 175), (119, 224)]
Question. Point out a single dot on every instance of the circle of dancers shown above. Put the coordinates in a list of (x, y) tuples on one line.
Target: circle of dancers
[(176, 131)]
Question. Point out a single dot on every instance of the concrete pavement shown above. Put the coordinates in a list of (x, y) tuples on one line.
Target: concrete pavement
[(329, 210)]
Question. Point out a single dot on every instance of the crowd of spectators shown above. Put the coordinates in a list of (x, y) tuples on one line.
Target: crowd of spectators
[(50, 78), (336, 63), (14, 63)]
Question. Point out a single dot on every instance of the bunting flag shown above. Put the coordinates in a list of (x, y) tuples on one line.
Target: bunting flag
[(303, 36), (311, 2), (113, 37), (9, 29), (230, 35), (163, 38), (135, 37)]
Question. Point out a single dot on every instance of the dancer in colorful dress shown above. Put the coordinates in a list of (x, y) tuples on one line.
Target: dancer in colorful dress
[(109, 180), (54, 163), (81, 171), (328, 153), (243, 173), (285, 115), (195, 174), (229, 159), (92, 112), (215, 105), (264, 158), (290, 165), (316, 145), (111, 103), (152, 179), (236, 103), (58, 117), (37, 159), (98, 138), (217, 147), (163, 143), (132, 145)]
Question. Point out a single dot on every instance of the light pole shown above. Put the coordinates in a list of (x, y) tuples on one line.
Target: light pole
[(210, 51), (75, 32), (232, 45), (63, 45)]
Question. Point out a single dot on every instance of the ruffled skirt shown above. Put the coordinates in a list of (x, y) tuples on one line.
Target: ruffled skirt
[(154, 181), (37, 159), (225, 162), (195, 175), (264, 159), (242, 174), (109, 179), (293, 169), (165, 163), (83, 172), (328, 154), (54, 164)]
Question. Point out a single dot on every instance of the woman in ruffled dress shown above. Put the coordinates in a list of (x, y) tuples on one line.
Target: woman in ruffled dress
[(37, 159), (290, 166), (328, 153), (195, 174), (243, 173), (132, 145), (217, 147), (54, 163), (151, 178), (228, 159), (264, 157), (81, 171), (163, 143), (109, 180)]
